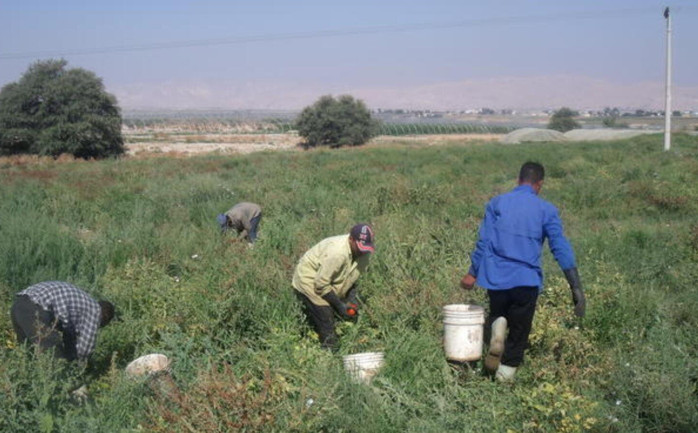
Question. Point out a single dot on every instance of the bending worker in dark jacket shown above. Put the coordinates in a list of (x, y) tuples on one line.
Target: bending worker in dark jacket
[(325, 279), (59, 316), (507, 262)]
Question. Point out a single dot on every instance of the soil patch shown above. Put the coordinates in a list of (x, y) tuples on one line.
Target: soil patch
[(248, 143)]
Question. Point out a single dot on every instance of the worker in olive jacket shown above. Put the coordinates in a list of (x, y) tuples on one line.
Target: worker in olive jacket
[(325, 279)]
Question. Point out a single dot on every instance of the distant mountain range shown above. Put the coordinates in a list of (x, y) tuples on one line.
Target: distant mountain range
[(519, 93)]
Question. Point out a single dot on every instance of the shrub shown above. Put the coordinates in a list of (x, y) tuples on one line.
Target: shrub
[(219, 401), (336, 122), (612, 122), (53, 110), (609, 122), (36, 391), (563, 120)]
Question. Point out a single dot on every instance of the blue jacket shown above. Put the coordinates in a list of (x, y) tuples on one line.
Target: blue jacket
[(508, 252)]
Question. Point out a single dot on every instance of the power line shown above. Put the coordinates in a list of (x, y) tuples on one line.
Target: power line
[(477, 22)]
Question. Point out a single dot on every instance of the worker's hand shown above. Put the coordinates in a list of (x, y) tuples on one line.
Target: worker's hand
[(346, 312), (578, 298), (468, 282), (341, 307), (352, 294)]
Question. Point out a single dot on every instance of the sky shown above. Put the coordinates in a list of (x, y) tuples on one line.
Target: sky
[(434, 54)]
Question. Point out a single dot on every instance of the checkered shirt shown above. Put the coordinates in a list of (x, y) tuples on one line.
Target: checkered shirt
[(78, 312)]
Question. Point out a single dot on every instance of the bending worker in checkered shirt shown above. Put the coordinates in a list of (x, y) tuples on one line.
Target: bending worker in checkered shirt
[(60, 317)]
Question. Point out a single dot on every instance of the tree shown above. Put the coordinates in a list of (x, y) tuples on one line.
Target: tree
[(53, 110), (336, 122), (610, 122), (563, 120), (611, 112)]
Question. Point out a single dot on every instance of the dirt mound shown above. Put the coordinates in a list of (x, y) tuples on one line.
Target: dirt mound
[(525, 135)]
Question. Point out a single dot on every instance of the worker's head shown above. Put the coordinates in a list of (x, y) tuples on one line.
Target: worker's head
[(222, 220), (361, 240), (532, 174), (107, 312)]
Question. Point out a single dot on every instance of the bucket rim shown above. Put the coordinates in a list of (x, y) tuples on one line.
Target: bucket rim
[(363, 355), (149, 357), (464, 322), (463, 308)]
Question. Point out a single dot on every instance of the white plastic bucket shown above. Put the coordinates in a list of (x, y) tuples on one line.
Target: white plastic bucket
[(148, 364), (363, 366), (463, 332)]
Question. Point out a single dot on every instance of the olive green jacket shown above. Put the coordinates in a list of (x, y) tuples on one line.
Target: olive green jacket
[(328, 266)]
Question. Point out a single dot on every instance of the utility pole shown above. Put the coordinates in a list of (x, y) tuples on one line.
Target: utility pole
[(667, 102)]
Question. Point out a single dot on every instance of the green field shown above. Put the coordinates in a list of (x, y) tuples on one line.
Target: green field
[(282, 126), (142, 233), (398, 129)]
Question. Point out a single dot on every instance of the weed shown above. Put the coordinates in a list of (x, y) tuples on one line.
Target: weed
[(218, 402)]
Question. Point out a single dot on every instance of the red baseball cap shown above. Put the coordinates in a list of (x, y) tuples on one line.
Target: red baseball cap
[(363, 235)]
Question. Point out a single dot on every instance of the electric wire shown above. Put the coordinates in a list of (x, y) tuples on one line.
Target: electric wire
[(371, 30)]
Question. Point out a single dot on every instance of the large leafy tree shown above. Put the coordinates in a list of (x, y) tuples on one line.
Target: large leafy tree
[(53, 110), (563, 120), (336, 122)]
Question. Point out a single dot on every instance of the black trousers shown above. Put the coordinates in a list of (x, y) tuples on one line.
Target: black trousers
[(37, 326), (321, 318), (517, 305), (254, 223)]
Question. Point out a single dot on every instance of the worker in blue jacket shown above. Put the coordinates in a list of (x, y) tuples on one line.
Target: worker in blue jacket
[(507, 262)]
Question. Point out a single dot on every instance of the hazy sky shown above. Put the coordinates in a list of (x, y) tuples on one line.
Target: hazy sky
[(320, 45)]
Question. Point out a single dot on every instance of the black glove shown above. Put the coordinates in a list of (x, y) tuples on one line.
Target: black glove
[(352, 301), (343, 309), (577, 293), (351, 295)]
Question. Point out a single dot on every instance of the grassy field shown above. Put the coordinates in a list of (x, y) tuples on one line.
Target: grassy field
[(142, 233)]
